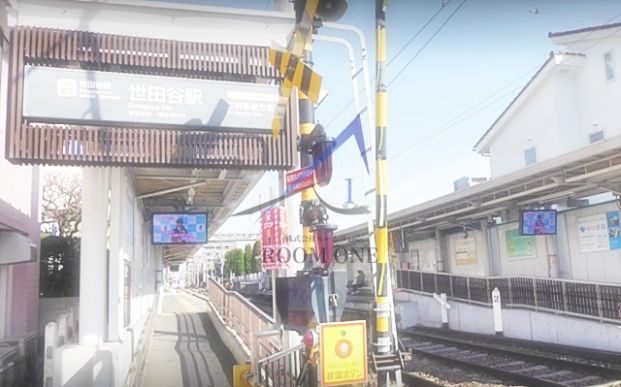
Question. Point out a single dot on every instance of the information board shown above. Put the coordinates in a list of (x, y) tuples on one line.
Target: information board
[(465, 251), (520, 246)]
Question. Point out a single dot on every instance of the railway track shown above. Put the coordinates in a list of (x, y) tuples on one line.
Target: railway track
[(531, 368)]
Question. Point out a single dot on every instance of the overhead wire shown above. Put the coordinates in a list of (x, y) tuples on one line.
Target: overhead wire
[(427, 42), (445, 3), (467, 113), (476, 108)]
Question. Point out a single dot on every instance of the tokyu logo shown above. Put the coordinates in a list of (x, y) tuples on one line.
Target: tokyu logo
[(67, 88)]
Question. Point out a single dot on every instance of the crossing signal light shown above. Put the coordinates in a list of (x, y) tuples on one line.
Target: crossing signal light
[(321, 148), (331, 10), (328, 10), (312, 212), (323, 238)]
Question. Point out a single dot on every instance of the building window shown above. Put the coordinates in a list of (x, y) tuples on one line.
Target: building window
[(597, 136), (609, 66), (530, 156)]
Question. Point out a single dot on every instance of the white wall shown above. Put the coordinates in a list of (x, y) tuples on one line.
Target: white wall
[(533, 125), (19, 192), (563, 109), (598, 99), (536, 266), (517, 323), (480, 266), (15, 180), (425, 250), (600, 266)]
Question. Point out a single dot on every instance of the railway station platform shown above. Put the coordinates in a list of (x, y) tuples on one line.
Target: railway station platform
[(185, 349)]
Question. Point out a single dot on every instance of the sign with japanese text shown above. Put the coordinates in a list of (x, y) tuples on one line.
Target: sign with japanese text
[(300, 179), (274, 238), (85, 96), (520, 246), (593, 233), (599, 232), (465, 251), (343, 353)]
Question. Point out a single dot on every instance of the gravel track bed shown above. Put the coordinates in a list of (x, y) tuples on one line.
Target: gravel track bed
[(451, 376)]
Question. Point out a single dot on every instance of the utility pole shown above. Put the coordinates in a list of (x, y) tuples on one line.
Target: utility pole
[(386, 347)]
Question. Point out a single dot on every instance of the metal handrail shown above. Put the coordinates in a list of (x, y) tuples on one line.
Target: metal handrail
[(242, 317), (236, 294), (280, 369)]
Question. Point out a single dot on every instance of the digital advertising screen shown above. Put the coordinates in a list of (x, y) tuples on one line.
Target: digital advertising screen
[(538, 222), (179, 228)]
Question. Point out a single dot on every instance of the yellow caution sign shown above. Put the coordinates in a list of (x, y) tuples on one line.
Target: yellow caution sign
[(240, 373), (343, 353)]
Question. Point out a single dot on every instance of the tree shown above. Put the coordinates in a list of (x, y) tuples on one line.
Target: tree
[(62, 202), (234, 261), (248, 258), (59, 267), (257, 257), (61, 217)]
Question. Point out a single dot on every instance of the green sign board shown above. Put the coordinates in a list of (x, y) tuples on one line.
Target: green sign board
[(520, 246)]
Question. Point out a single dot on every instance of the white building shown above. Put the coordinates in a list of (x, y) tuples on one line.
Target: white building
[(557, 144), (570, 103)]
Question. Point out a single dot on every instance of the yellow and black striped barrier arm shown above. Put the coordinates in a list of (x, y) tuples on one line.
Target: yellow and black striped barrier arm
[(295, 73), (292, 68)]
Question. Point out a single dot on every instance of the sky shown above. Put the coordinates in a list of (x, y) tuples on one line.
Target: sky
[(446, 86)]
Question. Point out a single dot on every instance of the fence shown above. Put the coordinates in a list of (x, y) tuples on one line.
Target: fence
[(57, 334), (281, 369), (17, 362), (243, 317), (581, 299)]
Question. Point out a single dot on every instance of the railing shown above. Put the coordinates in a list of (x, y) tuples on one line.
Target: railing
[(17, 362), (243, 317), (281, 369), (57, 334), (580, 299)]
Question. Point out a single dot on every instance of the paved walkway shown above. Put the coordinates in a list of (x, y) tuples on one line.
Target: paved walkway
[(185, 349)]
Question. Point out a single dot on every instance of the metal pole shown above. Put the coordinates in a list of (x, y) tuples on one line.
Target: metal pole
[(371, 148), (368, 187), (384, 301)]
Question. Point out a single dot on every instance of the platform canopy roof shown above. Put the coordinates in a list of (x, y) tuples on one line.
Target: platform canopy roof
[(216, 192), (588, 171)]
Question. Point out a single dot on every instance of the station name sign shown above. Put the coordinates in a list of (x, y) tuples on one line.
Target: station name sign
[(90, 97)]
